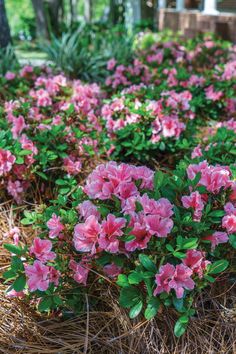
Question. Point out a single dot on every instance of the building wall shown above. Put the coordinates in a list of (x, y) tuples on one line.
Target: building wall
[(227, 6), (190, 23)]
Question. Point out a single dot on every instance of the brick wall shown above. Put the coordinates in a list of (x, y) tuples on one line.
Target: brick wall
[(227, 6), (190, 23)]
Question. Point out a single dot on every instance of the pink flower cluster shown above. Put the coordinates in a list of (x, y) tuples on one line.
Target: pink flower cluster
[(124, 75), (214, 178), (113, 180), (177, 278), (39, 276)]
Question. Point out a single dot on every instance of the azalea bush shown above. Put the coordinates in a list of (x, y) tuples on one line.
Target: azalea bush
[(52, 129), (160, 237)]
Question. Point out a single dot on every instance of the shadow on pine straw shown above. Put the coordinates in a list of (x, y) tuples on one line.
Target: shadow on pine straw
[(106, 328)]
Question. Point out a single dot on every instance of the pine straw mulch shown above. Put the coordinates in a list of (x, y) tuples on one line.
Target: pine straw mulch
[(106, 328)]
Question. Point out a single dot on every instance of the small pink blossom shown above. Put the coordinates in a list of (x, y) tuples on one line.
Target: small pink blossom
[(158, 226), (177, 278), (6, 161), (216, 238), (13, 294), (42, 250), (38, 276), (111, 64), (18, 126), (111, 230), (195, 260), (194, 201), (197, 152), (87, 208), (81, 271), (55, 226), (112, 270), (16, 189), (86, 235), (213, 95), (72, 166), (13, 233), (229, 223), (10, 76)]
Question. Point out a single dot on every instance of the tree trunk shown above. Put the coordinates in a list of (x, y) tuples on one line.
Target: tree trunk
[(55, 11), (5, 35), (88, 10), (73, 11), (41, 19), (116, 13)]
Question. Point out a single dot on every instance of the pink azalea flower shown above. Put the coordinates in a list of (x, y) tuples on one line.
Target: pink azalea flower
[(16, 189), (71, 166), (86, 235), (215, 177), (55, 226), (87, 208), (38, 276), (195, 260), (194, 201), (216, 238), (142, 236), (13, 233), (110, 231), (112, 270), (10, 76), (177, 278), (111, 64), (197, 152), (6, 161), (13, 294), (158, 226), (54, 276), (213, 95), (18, 126), (81, 271), (42, 250), (229, 223)]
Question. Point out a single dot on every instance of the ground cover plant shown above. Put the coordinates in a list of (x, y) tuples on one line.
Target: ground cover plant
[(124, 181)]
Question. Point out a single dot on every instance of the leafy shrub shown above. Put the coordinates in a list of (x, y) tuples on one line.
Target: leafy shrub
[(158, 236), (54, 130), (84, 53)]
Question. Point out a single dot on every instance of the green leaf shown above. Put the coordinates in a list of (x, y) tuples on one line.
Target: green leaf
[(180, 328), (152, 308), (218, 266), (13, 249), (9, 274), (232, 240), (217, 213), (169, 248), (209, 278), (26, 221), (45, 304), (147, 263), (128, 238), (129, 296), (25, 152), (135, 278), (136, 309), (42, 175), (16, 264), (158, 179), (189, 243), (179, 304), (19, 283), (179, 255), (122, 280)]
